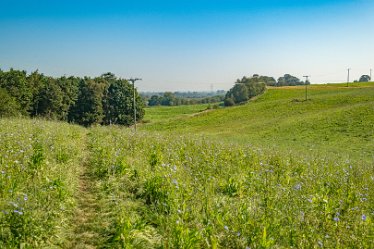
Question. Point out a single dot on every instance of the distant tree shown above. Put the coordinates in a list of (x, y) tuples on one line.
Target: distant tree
[(229, 102), (364, 78), (168, 99), (155, 100), (239, 93), (289, 80), (244, 89), (269, 81), (255, 88)]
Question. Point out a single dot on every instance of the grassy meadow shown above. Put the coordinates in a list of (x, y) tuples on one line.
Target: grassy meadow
[(277, 172), (163, 113), (334, 120)]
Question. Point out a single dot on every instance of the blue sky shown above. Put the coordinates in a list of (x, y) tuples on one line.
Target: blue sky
[(189, 45)]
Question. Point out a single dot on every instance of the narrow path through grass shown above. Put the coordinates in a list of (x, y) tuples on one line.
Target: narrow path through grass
[(90, 225)]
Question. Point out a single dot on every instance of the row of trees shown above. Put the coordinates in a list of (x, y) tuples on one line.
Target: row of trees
[(85, 101), (170, 99), (248, 87), (244, 89), (286, 80)]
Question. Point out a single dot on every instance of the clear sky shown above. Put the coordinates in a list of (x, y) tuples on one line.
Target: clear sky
[(189, 44)]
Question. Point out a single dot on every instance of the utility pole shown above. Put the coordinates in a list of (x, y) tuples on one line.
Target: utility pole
[(348, 76), (370, 75), (306, 86), (133, 87)]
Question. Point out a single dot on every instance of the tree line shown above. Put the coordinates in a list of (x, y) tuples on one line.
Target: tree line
[(249, 87), (104, 100)]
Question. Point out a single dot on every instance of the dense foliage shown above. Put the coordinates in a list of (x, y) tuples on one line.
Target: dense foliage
[(86, 101), (364, 78), (244, 89), (289, 80)]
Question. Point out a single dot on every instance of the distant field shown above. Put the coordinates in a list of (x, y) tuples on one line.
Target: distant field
[(162, 113), (335, 119)]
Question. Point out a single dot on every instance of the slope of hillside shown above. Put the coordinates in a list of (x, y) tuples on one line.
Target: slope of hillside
[(334, 119)]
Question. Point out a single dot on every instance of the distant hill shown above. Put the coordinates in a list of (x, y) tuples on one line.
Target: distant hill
[(336, 118)]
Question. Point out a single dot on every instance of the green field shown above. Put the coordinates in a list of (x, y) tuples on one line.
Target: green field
[(277, 172), (163, 113), (335, 119)]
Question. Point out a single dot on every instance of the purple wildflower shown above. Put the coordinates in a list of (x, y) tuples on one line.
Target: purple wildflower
[(363, 217)]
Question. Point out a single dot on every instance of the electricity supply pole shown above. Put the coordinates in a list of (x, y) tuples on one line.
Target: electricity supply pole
[(370, 75), (306, 86), (348, 76), (133, 87)]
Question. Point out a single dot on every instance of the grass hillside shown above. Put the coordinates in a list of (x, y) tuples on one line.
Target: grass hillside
[(335, 119), (65, 186), (163, 113)]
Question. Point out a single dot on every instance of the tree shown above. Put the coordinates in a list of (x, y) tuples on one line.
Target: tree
[(49, 99), (239, 93), (289, 80), (168, 99), (269, 81), (8, 105), (229, 102), (245, 89), (15, 83), (88, 109), (364, 78), (69, 89), (119, 104), (154, 100)]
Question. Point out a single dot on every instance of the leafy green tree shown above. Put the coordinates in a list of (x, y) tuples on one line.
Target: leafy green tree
[(239, 93), (229, 102), (244, 89), (15, 83), (168, 99), (289, 80), (88, 109), (49, 99), (364, 78), (154, 100), (269, 81), (8, 105), (70, 89), (119, 103), (255, 88)]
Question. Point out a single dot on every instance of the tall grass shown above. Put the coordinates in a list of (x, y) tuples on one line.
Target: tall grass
[(39, 163), (178, 192)]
